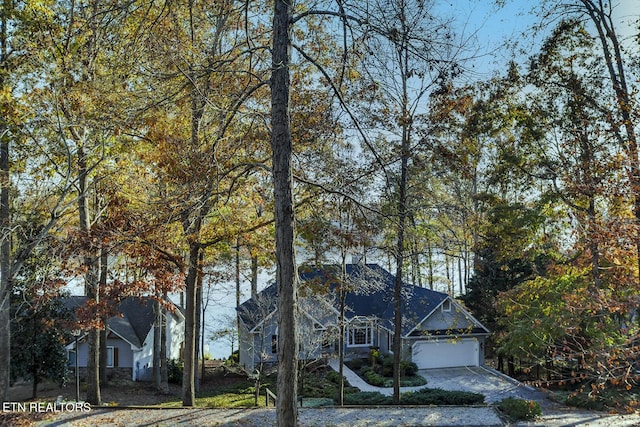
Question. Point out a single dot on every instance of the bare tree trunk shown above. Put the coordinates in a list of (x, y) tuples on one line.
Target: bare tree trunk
[(157, 338), (5, 224), (164, 371), (91, 281), (188, 377), (201, 323), (281, 144), (402, 211), (5, 257), (197, 355), (103, 332)]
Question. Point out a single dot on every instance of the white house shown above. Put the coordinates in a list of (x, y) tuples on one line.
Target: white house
[(130, 338)]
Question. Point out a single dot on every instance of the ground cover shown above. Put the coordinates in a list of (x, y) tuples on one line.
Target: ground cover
[(378, 371)]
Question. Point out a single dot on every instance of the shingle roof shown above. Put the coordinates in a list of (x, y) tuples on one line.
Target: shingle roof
[(135, 323), (370, 294)]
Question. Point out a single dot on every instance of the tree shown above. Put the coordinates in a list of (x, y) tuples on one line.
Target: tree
[(39, 323), (589, 280), (286, 274), (22, 27), (411, 54), (202, 142)]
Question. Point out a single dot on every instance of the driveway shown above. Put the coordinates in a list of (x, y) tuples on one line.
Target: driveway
[(478, 379), (492, 384)]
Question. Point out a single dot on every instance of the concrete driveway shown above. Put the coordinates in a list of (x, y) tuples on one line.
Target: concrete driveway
[(492, 384), (479, 379)]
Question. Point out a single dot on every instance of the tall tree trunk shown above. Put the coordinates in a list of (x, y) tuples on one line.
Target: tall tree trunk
[(91, 281), (157, 338), (281, 144), (190, 314), (5, 263), (197, 356), (238, 295), (5, 225), (103, 333), (202, 309), (164, 371), (397, 289), (405, 122)]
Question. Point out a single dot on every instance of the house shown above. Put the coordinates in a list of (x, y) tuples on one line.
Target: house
[(437, 331), (130, 338)]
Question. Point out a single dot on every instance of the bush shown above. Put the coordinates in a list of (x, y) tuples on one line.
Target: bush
[(334, 377), (520, 409), (355, 364), (367, 398), (234, 358), (412, 381), (373, 378), (175, 367), (421, 397), (586, 401), (436, 396), (408, 368), (387, 365)]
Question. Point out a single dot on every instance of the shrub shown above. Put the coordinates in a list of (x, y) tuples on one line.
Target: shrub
[(408, 368), (234, 358), (374, 356), (373, 378), (583, 400), (387, 365), (520, 409), (436, 396), (175, 368), (367, 398), (412, 381), (355, 364), (334, 377)]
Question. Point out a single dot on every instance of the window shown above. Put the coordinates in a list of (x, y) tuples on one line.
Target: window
[(72, 357), (112, 357), (446, 306), (360, 335), (274, 344)]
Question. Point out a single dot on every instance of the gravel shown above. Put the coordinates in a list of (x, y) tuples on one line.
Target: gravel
[(329, 417)]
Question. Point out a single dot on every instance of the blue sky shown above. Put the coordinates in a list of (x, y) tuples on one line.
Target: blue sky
[(497, 31)]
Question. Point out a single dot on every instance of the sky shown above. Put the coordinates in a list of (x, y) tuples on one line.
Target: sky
[(499, 32)]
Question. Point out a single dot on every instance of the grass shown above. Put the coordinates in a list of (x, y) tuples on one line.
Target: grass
[(240, 395)]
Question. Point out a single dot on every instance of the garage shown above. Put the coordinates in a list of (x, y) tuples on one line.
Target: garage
[(446, 353)]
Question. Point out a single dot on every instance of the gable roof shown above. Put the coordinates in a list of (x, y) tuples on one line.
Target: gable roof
[(134, 322), (370, 294)]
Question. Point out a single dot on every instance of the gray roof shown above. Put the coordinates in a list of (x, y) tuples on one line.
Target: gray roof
[(370, 294), (134, 320)]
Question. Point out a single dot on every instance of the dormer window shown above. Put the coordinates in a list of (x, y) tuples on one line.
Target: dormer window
[(446, 306)]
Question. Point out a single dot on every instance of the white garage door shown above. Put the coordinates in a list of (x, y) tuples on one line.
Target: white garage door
[(446, 353)]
